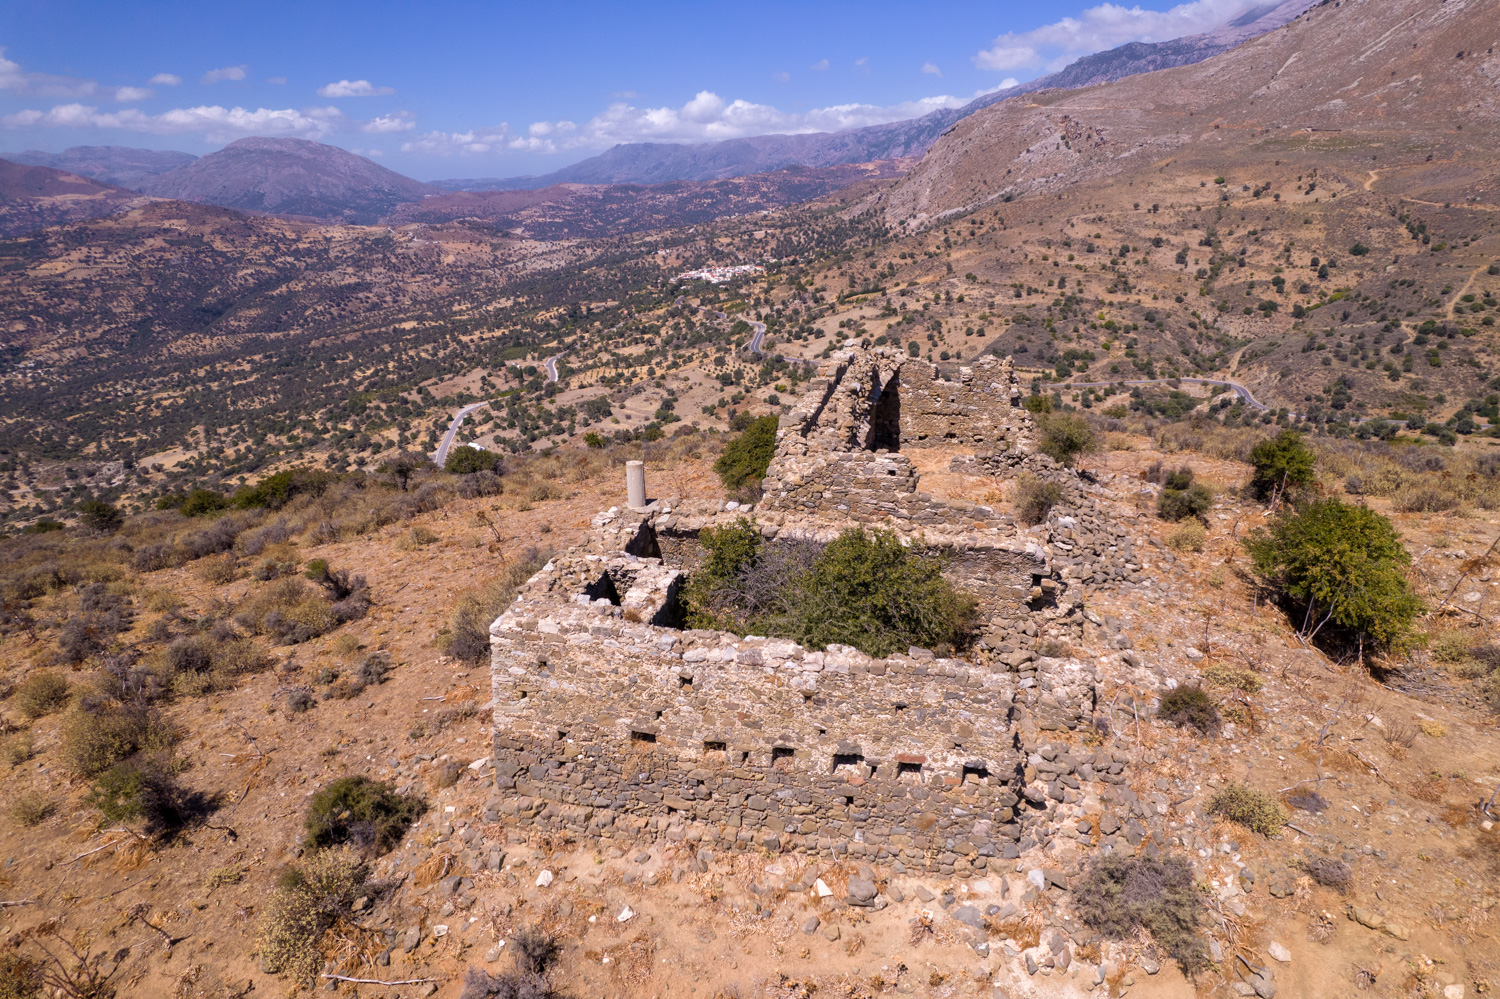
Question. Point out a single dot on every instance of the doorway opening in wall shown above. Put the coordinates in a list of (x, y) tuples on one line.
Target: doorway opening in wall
[(884, 433)]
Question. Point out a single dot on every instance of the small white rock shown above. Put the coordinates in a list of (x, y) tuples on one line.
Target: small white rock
[(1279, 953), (821, 887), (625, 914), (544, 879), (440, 930), (1453, 992)]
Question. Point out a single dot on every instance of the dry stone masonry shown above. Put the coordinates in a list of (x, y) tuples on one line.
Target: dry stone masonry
[(612, 722)]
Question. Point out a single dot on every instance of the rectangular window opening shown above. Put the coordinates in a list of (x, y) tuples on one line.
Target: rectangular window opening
[(782, 756), (847, 761), (977, 770), (646, 737), (909, 770)]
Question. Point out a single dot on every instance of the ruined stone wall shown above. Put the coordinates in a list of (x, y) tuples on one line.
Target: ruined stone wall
[(606, 726), (981, 409)]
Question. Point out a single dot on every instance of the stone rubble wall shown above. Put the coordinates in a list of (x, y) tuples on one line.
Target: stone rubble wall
[(608, 726), (981, 409)]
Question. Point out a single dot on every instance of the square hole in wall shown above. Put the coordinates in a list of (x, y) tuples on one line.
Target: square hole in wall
[(645, 737), (978, 770), (782, 756), (847, 761), (911, 770)]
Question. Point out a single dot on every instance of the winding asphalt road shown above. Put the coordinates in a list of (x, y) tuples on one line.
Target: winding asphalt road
[(440, 458), (1239, 389)]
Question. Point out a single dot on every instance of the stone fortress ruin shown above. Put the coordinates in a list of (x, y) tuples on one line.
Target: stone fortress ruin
[(613, 722)]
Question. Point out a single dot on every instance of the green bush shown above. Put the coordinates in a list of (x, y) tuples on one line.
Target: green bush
[(746, 458), (1120, 896), (1182, 498), (144, 789), (1189, 706), (361, 812), (97, 515), (1064, 436), (41, 693), (865, 589), (466, 460), (202, 501), (276, 491), (308, 900), (1035, 498), (1244, 805), (1282, 462), (1340, 565), (96, 737)]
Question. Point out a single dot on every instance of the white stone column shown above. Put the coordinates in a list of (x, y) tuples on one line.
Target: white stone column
[(635, 485)]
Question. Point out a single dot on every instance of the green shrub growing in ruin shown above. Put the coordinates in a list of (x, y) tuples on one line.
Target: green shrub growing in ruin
[(865, 589), (1182, 498), (746, 458), (1064, 436), (1035, 498)]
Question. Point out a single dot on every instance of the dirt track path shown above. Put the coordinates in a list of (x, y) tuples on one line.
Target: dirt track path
[(1453, 302)]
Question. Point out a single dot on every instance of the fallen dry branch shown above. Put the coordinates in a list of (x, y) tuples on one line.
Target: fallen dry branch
[(377, 981)]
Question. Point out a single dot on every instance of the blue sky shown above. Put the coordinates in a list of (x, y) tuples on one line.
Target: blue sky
[(470, 90)]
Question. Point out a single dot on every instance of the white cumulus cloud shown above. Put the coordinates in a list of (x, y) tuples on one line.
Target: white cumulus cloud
[(931, 68), (166, 80), (707, 117), (475, 141), (1103, 27), (224, 73), (354, 88), (821, 64), (214, 122), (399, 121), (126, 95)]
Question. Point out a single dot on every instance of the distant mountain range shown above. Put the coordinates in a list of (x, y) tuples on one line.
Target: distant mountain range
[(300, 178), (121, 166)]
